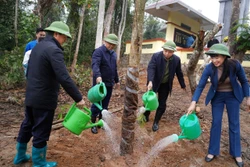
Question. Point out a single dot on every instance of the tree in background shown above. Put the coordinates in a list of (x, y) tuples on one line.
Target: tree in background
[(7, 16), (132, 80), (73, 65), (200, 42), (108, 17), (242, 41), (153, 27), (238, 47), (121, 28), (100, 20), (233, 32), (119, 21)]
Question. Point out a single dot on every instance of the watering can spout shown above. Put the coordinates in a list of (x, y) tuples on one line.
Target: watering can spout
[(174, 137), (182, 137), (90, 125)]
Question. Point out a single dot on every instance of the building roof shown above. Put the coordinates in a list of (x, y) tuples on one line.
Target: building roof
[(160, 9)]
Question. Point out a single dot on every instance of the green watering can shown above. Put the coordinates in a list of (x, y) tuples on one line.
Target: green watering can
[(190, 127), (77, 120), (97, 93), (150, 100)]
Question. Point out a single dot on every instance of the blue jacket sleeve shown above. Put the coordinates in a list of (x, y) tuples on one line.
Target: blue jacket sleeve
[(202, 84), (240, 73)]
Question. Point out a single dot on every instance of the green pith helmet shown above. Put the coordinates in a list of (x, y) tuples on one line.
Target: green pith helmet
[(169, 45), (218, 49), (60, 27), (111, 38)]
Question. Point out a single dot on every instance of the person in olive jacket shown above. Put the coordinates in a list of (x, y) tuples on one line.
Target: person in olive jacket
[(161, 71), (45, 73), (104, 67)]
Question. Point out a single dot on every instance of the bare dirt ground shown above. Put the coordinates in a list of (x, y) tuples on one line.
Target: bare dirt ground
[(100, 150)]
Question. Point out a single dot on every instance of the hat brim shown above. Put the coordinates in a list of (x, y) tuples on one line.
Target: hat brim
[(169, 48), (111, 41), (58, 31), (212, 52)]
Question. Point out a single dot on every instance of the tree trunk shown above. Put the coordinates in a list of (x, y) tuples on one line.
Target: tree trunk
[(239, 55), (99, 31), (15, 23), (121, 28), (233, 33), (78, 40), (108, 17), (132, 79), (200, 42), (232, 37)]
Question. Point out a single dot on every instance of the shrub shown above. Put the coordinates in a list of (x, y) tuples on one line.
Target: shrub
[(11, 70)]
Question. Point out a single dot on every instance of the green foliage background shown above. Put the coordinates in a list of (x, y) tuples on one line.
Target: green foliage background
[(11, 54)]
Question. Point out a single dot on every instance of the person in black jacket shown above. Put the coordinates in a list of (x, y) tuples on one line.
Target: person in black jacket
[(104, 69), (45, 73), (161, 71), (211, 42)]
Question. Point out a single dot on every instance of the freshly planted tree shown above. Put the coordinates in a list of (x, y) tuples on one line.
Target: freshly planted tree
[(132, 79)]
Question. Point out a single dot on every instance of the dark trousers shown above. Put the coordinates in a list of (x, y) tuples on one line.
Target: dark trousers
[(233, 107), (104, 103), (37, 123), (163, 92)]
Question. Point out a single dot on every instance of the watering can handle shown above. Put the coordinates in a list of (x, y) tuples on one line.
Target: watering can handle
[(87, 110), (70, 113)]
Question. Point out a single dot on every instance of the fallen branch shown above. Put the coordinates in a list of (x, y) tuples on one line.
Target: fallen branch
[(116, 110), (57, 121), (57, 127)]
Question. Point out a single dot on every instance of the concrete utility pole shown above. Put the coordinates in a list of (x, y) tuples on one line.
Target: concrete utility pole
[(225, 13)]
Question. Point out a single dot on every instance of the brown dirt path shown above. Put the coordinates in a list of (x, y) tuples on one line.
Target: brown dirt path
[(97, 151)]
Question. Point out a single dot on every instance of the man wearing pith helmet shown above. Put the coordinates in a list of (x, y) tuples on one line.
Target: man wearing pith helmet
[(45, 73), (104, 69), (161, 71)]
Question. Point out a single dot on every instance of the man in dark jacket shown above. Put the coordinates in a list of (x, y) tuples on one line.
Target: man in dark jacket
[(104, 69), (45, 73), (161, 71)]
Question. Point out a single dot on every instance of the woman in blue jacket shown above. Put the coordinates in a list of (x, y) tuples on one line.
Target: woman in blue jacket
[(229, 86)]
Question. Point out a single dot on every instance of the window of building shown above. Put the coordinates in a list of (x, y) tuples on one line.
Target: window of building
[(246, 57), (147, 46), (180, 37)]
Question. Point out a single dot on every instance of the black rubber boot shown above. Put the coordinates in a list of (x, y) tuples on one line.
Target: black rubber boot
[(94, 129), (155, 126), (100, 117), (146, 114)]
